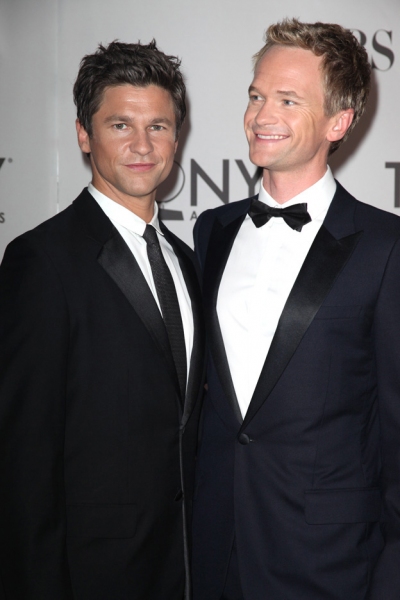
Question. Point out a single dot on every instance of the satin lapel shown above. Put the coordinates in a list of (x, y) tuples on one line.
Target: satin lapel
[(320, 269), (117, 260), (219, 248), (120, 264), (196, 367)]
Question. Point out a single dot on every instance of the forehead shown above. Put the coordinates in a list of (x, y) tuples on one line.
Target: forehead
[(286, 65), (131, 97)]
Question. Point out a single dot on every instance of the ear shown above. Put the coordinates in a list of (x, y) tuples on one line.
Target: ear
[(176, 146), (83, 137), (340, 124)]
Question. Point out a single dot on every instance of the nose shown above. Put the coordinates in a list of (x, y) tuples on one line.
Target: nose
[(141, 142), (266, 115)]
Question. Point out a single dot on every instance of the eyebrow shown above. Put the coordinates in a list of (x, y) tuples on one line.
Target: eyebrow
[(126, 119), (252, 89), (165, 120), (290, 93)]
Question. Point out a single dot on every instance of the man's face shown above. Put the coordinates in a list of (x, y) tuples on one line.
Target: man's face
[(133, 144), (285, 123)]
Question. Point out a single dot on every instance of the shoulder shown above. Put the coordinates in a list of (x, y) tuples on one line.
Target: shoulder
[(42, 237), (224, 214), (30, 266), (370, 218), (57, 235), (375, 219)]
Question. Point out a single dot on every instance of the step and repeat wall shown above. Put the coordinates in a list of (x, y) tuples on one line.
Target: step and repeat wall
[(42, 42)]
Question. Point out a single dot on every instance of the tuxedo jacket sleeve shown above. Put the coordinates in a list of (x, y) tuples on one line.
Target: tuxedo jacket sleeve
[(385, 581), (34, 360)]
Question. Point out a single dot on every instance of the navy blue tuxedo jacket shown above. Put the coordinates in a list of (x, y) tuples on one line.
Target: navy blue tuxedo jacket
[(309, 481), (97, 447)]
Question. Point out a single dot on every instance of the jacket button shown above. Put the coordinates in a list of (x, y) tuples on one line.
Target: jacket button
[(244, 439)]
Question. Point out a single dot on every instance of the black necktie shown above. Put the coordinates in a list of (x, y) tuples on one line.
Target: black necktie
[(169, 304), (295, 216)]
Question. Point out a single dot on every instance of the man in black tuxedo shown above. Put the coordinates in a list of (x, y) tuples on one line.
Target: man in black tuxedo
[(102, 354), (298, 483)]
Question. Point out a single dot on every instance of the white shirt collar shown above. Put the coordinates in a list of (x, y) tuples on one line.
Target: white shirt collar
[(123, 216), (318, 197)]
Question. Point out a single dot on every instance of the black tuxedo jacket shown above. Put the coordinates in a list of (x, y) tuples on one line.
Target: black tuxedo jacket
[(96, 445), (309, 481)]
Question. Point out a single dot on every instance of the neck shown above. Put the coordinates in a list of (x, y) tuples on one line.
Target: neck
[(283, 186)]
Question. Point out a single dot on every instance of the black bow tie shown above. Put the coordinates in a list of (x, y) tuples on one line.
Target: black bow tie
[(295, 216)]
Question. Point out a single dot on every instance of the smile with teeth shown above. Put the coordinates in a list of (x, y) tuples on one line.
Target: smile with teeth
[(271, 137)]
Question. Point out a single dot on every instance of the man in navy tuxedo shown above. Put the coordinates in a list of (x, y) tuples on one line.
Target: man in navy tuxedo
[(101, 346), (298, 478)]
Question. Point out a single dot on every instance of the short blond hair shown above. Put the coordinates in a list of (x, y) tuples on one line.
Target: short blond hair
[(345, 65)]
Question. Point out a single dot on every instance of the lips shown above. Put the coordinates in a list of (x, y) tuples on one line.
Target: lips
[(140, 167), (261, 136)]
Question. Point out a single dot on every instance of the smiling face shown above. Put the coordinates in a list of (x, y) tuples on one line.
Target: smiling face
[(285, 122), (133, 144)]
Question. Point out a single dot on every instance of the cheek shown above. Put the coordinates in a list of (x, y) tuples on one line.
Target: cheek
[(167, 151), (247, 127), (248, 117), (104, 148)]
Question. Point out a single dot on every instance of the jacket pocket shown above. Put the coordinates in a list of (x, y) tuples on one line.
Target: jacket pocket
[(101, 520), (360, 505)]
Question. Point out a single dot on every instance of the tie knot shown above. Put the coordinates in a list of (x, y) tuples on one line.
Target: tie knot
[(274, 211), (150, 235)]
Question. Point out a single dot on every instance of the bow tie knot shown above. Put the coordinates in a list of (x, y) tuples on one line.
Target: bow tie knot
[(296, 216)]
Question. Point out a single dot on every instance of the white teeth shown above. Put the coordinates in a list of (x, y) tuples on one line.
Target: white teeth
[(270, 137)]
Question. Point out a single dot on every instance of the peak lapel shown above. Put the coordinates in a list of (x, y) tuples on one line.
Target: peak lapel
[(220, 244), (119, 263), (196, 366), (328, 254)]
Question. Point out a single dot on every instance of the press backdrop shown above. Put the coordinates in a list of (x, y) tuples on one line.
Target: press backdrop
[(42, 41)]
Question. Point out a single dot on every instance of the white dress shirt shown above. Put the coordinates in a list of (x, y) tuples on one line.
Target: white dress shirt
[(132, 227), (262, 267)]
